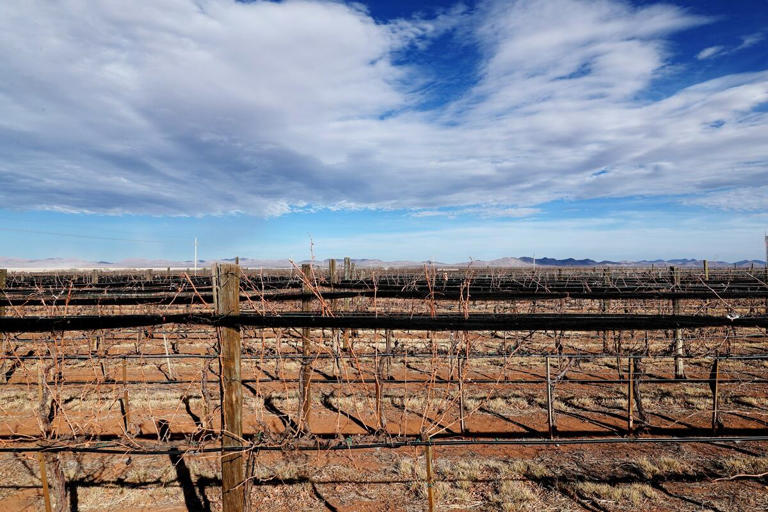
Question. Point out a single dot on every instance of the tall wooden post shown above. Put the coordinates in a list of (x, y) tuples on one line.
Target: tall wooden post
[(630, 394), (679, 365), (333, 279), (379, 376), (126, 409), (430, 477), (44, 480), (226, 287), (550, 412), (3, 278), (347, 277), (606, 306), (305, 377), (706, 270), (715, 386), (462, 423)]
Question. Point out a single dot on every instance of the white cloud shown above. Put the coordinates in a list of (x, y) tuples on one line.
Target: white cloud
[(710, 52), (486, 212), (719, 51), (751, 40), (182, 107), (738, 199)]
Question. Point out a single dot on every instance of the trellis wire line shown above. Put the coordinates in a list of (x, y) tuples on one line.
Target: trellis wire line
[(392, 445), (443, 322)]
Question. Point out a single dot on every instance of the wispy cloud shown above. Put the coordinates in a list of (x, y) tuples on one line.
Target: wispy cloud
[(718, 51), (743, 199), (483, 212), (208, 107), (751, 40), (708, 53)]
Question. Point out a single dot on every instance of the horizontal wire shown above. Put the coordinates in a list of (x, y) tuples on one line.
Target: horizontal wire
[(186, 450)]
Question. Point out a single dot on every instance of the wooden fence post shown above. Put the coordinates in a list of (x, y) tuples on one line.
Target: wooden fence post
[(347, 277), (226, 286), (126, 410), (630, 394), (715, 386), (460, 375), (333, 279), (3, 278), (206, 417), (379, 376), (679, 365), (606, 306), (550, 411), (430, 477), (305, 376), (706, 270), (44, 480)]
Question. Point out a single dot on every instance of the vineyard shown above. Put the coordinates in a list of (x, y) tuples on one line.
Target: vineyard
[(416, 389)]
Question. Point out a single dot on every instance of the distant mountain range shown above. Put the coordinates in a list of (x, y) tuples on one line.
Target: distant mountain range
[(508, 262)]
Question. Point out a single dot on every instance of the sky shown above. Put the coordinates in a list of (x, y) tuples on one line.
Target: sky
[(442, 130)]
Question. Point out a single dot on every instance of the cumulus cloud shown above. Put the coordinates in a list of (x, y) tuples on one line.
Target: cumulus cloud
[(207, 107)]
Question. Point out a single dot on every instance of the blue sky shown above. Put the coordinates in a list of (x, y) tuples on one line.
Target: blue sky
[(396, 130)]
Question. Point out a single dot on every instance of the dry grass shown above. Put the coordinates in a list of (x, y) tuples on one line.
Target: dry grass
[(632, 494), (743, 465), (661, 467)]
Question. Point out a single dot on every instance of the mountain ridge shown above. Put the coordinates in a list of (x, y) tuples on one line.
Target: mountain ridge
[(505, 262)]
